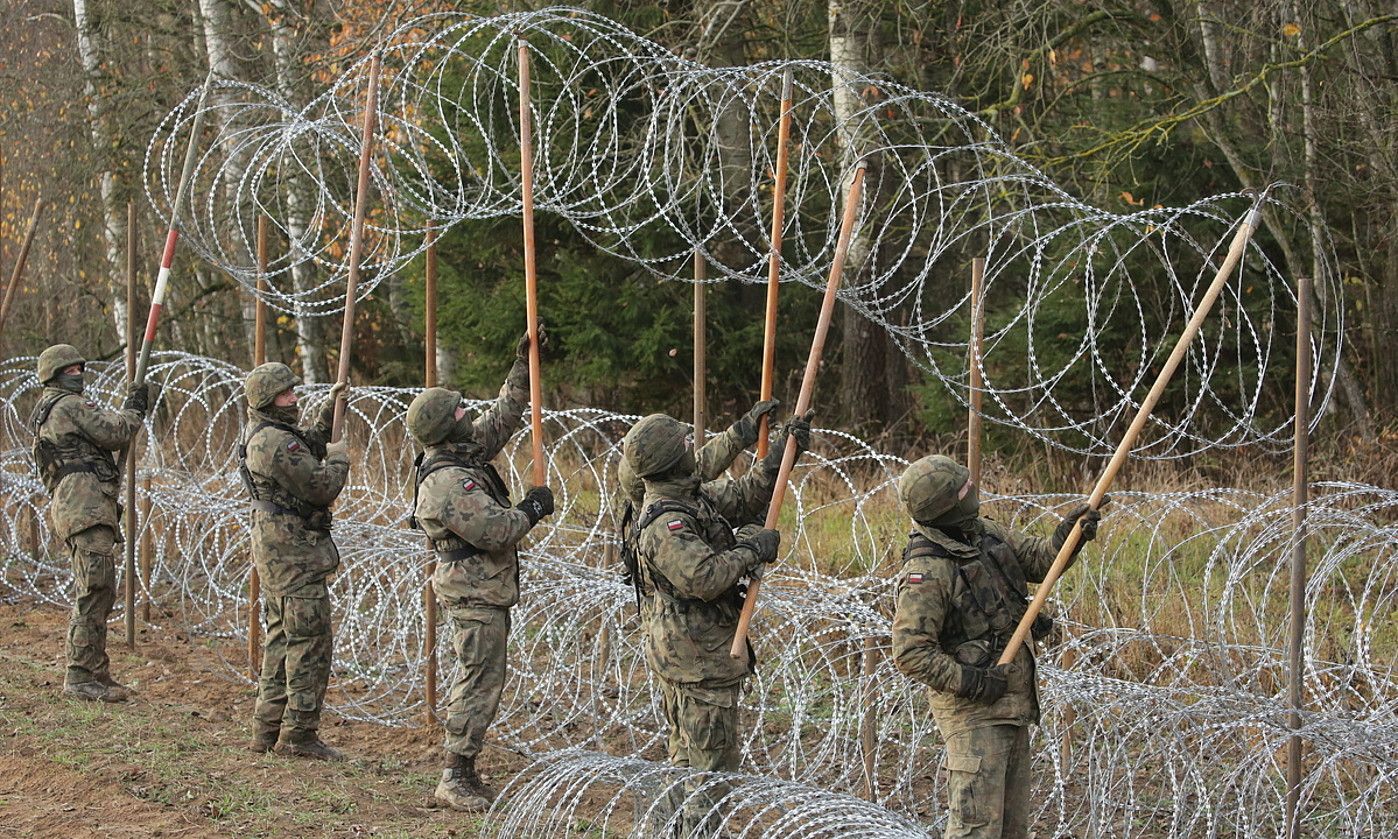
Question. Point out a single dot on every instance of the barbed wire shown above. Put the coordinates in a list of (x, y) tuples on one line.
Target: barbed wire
[(654, 158), (1163, 688)]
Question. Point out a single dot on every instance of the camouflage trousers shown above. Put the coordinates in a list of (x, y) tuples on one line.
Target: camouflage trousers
[(703, 725), (479, 639), (988, 783), (92, 555), (295, 663)]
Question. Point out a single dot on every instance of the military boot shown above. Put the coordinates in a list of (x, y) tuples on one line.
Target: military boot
[(264, 737), (114, 688), (456, 789), (92, 692), (298, 742), (473, 780)]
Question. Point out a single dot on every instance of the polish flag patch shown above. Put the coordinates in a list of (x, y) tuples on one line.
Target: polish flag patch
[(293, 446), (468, 484), (914, 578), (675, 525)]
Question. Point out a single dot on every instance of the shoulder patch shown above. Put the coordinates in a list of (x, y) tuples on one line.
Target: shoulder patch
[(89, 403), (469, 485), (915, 577), (293, 446), (674, 524)]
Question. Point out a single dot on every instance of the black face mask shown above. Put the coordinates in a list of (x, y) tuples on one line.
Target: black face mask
[(286, 416), (69, 382), (462, 432)]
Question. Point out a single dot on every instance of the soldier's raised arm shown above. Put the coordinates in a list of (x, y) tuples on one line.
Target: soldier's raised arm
[(110, 430), (318, 434), (744, 500), (1037, 553), (717, 453), (493, 428), (474, 516), (318, 482)]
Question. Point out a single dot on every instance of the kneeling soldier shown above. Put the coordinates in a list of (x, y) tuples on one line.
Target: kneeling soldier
[(73, 444), (960, 595), (293, 475), (461, 503), (689, 573)]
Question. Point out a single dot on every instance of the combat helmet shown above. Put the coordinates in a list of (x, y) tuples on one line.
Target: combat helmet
[(55, 359), (655, 444), (266, 381), (432, 415), (929, 487)]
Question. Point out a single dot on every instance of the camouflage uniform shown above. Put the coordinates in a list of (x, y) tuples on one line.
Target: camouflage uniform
[(293, 481), (463, 507), (690, 567), (74, 441), (960, 595)]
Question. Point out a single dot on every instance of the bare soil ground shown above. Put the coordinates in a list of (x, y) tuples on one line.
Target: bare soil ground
[(172, 761)]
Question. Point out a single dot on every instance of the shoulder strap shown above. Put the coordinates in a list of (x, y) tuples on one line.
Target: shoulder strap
[(920, 546), (424, 466), (45, 407)]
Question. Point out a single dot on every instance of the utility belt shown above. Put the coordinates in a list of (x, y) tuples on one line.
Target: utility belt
[(458, 554), (318, 519)]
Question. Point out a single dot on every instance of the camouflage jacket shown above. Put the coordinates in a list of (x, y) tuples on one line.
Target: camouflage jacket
[(690, 570), (294, 555), (469, 505), (86, 435), (944, 602)]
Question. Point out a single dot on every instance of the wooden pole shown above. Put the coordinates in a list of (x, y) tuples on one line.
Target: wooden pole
[(701, 348), (1300, 492), (361, 207), (973, 418), (133, 520), (774, 263), (867, 743), (147, 548), (18, 270), (429, 595), (803, 401), (259, 357), (1128, 441), (531, 279)]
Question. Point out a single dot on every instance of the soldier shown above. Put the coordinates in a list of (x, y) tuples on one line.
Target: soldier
[(960, 595), (73, 444), (690, 569), (460, 502), (293, 474)]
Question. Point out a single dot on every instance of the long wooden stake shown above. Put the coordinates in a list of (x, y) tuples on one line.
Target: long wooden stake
[(973, 418), (361, 207), (1128, 441), (803, 401), (531, 279), (701, 348), (774, 263), (1300, 493), (19, 266), (133, 520), (259, 357), (429, 595), (867, 744)]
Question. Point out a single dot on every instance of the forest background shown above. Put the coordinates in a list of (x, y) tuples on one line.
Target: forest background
[(1124, 103)]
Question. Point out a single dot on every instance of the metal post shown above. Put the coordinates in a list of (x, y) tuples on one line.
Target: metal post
[(19, 266), (259, 357), (701, 348), (132, 514), (1300, 491), (429, 595), (973, 418), (867, 743)]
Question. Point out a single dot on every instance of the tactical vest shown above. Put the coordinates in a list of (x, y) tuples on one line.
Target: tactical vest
[(270, 496), (454, 548), (643, 577), (70, 454), (995, 593)]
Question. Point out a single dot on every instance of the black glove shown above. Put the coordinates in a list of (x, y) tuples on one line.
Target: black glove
[(798, 428), (137, 399), (746, 426), (762, 542), (522, 348), (537, 503), (1089, 517), (983, 684)]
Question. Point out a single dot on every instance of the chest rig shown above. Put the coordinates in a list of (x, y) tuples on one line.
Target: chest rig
[(642, 576), (270, 496), (990, 595), (454, 548), (70, 454)]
